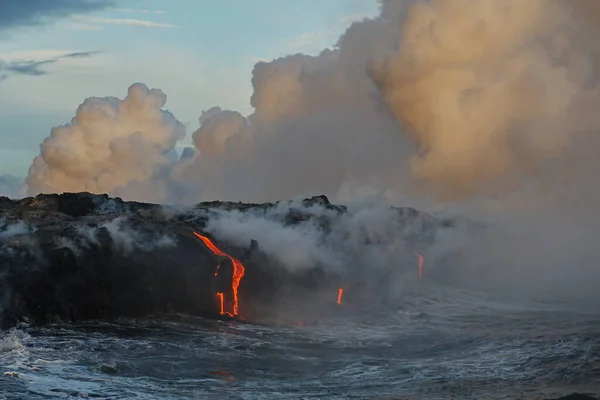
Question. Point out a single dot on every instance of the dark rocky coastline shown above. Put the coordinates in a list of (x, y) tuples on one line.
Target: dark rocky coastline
[(80, 256)]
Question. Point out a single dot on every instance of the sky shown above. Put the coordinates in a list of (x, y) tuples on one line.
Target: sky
[(55, 54)]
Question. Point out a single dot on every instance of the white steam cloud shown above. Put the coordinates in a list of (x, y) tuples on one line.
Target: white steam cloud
[(489, 89), (8, 230), (124, 238), (372, 241), (447, 98), (216, 127), (110, 146)]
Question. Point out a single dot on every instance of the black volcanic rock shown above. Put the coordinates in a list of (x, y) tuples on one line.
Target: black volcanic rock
[(79, 256), (5, 202)]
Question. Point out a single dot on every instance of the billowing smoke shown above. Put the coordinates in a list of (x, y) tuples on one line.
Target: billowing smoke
[(333, 241), (315, 127), (480, 107), (491, 90), (471, 97), (366, 244), (295, 247), (124, 238), (216, 127), (111, 146), (8, 230), (447, 99)]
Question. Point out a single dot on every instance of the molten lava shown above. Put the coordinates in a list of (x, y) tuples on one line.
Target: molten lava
[(420, 265), (221, 299), (340, 293), (238, 274)]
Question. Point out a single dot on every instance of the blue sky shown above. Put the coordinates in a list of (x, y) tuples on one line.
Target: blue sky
[(199, 52)]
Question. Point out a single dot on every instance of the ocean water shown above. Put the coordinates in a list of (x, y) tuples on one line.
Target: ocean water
[(434, 343)]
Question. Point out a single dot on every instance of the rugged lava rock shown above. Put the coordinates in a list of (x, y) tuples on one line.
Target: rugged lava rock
[(78, 256)]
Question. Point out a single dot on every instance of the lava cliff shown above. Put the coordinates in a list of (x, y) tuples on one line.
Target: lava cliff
[(79, 256)]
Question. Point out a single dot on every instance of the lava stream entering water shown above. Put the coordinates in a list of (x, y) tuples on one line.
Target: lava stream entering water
[(420, 265), (221, 299), (238, 274), (340, 293)]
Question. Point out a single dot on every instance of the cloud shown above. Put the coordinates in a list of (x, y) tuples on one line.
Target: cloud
[(394, 106), (85, 27), (141, 11), (111, 145), (32, 68), (36, 68), (80, 54), (503, 97), (32, 12), (217, 126), (121, 21)]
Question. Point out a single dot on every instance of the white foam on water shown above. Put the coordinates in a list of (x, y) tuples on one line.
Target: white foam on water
[(11, 342)]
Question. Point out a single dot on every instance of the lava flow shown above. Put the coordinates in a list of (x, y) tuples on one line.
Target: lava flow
[(221, 298), (340, 293), (420, 265), (238, 274)]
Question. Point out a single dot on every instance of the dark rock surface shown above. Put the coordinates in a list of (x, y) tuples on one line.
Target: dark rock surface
[(78, 256)]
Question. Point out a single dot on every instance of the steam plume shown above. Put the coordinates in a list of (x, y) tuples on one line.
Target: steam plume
[(216, 127), (483, 97), (371, 242), (487, 88), (459, 98), (109, 145)]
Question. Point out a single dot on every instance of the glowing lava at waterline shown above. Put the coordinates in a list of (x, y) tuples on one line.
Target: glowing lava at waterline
[(238, 274), (420, 265), (340, 293), (221, 299)]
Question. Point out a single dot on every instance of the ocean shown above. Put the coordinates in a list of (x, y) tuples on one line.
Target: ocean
[(433, 342)]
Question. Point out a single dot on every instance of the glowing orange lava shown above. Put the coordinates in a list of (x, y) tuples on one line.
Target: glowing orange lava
[(238, 274), (340, 293), (221, 299), (420, 265)]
